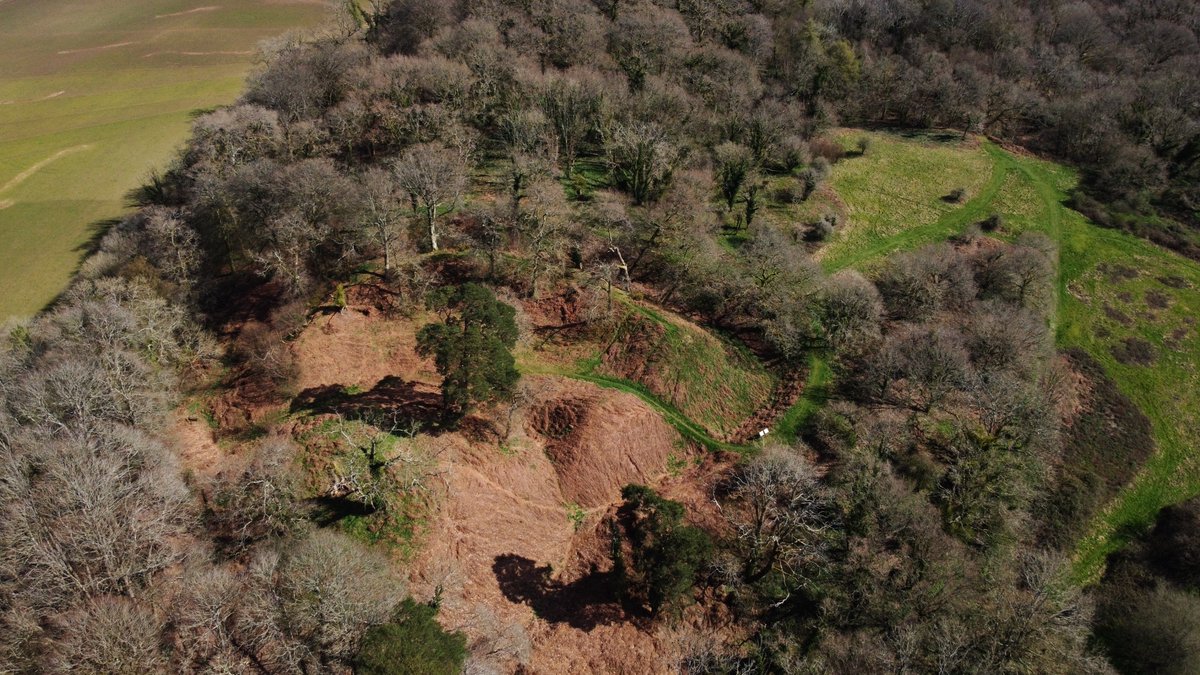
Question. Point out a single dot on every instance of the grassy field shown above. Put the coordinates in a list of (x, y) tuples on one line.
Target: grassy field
[(1118, 295), (93, 95), (900, 185)]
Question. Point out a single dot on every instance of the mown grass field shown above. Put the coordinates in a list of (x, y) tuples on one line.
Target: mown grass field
[(94, 94), (1115, 292)]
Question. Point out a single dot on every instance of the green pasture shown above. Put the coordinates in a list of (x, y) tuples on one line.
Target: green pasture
[(901, 183), (94, 94)]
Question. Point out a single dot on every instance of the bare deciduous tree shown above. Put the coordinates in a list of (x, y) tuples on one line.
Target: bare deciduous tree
[(324, 592), (383, 214), (642, 160), (260, 500), (932, 362), (229, 137), (88, 515), (543, 227), (575, 107), (733, 164), (532, 151), (850, 311), (173, 245), (778, 509), (110, 635), (433, 176)]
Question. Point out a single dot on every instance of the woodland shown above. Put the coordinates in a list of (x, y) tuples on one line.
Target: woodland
[(447, 348)]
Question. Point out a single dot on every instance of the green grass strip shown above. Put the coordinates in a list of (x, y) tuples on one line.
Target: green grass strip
[(816, 393)]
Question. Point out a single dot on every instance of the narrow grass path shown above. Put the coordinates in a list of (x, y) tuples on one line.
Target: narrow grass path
[(816, 393)]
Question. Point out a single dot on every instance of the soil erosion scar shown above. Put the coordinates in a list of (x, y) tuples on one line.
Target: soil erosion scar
[(209, 8), (47, 97), (20, 178), (92, 49)]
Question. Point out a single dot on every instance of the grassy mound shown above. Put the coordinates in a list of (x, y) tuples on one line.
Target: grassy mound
[(710, 380), (704, 386), (1102, 450)]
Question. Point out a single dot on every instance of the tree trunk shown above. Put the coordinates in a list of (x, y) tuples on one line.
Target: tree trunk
[(429, 220)]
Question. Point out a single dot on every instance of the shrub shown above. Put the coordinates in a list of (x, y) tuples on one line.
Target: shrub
[(1174, 544), (992, 223), (809, 180), (829, 149), (956, 195), (822, 229), (1151, 631), (791, 153), (863, 145), (849, 310), (412, 642)]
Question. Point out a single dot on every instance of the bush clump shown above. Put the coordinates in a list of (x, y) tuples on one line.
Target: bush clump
[(412, 642)]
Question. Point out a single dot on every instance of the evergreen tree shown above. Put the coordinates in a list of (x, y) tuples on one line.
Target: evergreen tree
[(471, 346), (666, 554), (412, 642)]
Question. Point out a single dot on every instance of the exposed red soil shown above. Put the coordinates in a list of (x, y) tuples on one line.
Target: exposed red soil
[(504, 535), (514, 570), (198, 450), (357, 347), (599, 440)]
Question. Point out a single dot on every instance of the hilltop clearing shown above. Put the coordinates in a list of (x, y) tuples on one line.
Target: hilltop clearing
[(450, 348)]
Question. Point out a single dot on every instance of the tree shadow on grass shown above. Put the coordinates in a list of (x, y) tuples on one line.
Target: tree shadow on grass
[(325, 510), (392, 396), (584, 604)]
